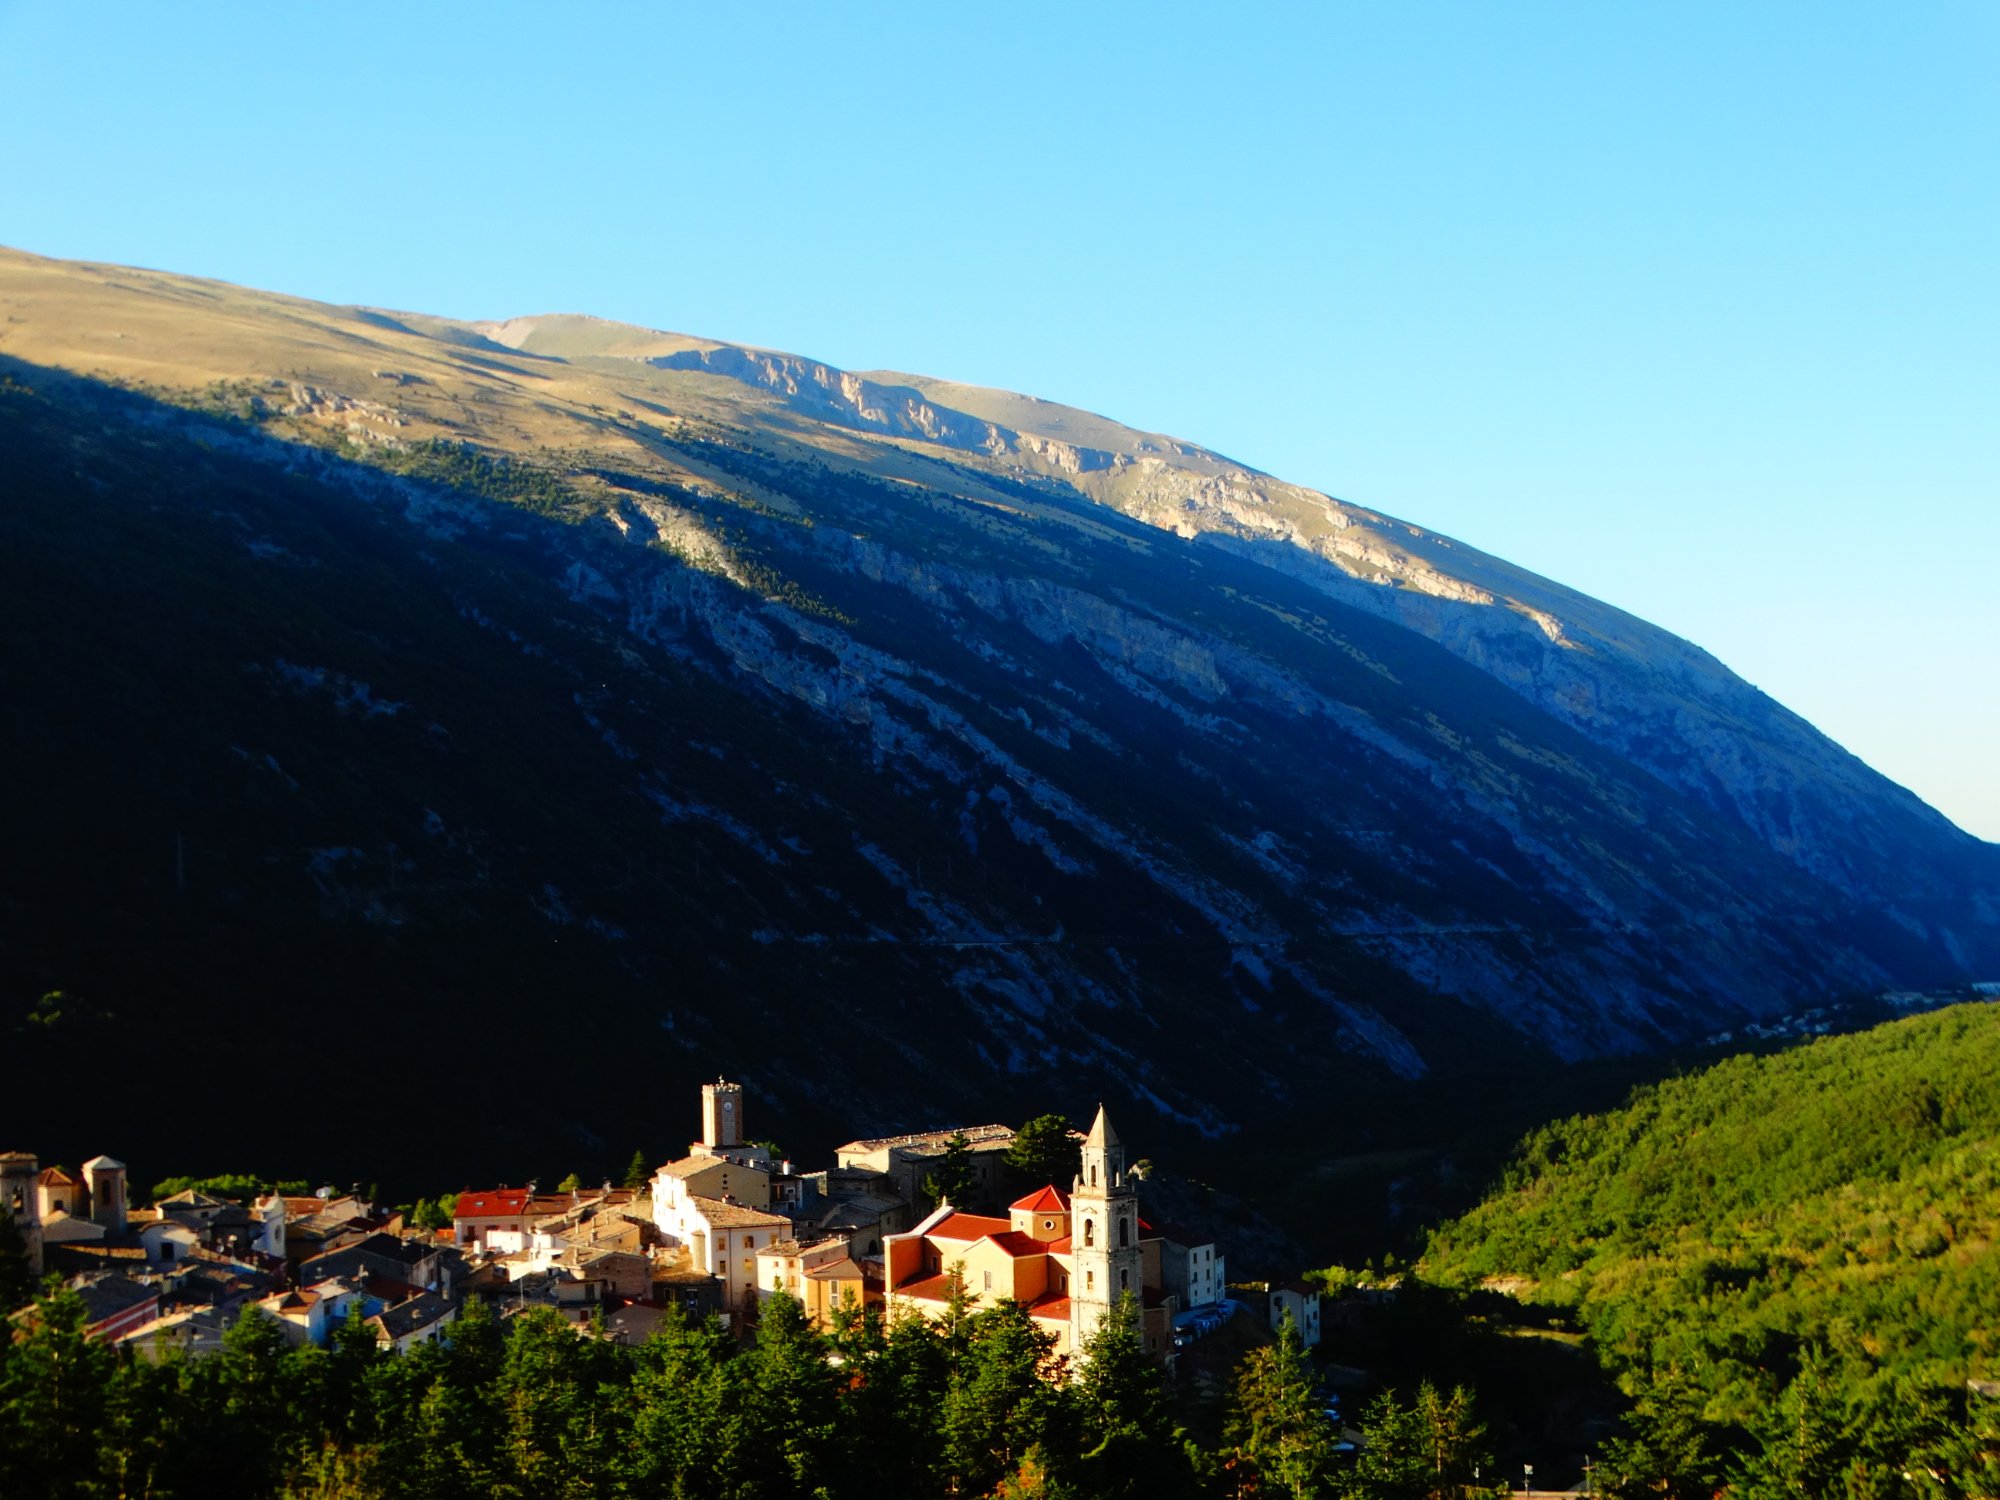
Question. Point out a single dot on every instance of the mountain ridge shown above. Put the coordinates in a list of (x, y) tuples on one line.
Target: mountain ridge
[(1152, 793)]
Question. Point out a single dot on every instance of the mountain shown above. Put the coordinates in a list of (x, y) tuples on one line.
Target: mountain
[(499, 715), (1840, 1193)]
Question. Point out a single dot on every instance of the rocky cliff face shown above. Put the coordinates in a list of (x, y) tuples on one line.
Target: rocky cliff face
[(561, 687)]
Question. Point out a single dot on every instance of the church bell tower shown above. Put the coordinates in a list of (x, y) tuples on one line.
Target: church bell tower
[(1104, 1233)]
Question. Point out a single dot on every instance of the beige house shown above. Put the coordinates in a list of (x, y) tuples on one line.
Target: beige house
[(906, 1160), (710, 1177), (823, 1277), (723, 1239)]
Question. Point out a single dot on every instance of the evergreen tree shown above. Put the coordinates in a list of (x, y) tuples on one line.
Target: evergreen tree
[(1802, 1448), (561, 1429), (1044, 1152), (352, 1353), (53, 1389), (638, 1174), (791, 1410), (250, 1402), (1452, 1437), (1129, 1442), (1671, 1453), (687, 1403), (439, 1419), (902, 1372), (146, 1447), (569, 1184), (335, 1473), (1002, 1400), (17, 1276), (1277, 1434), (1396, 1461), (950, 1181)]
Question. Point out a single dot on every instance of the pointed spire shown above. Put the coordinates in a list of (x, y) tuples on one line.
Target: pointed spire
[(1101, 1133)]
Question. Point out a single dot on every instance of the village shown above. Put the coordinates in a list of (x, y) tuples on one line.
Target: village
[(906, 1223)]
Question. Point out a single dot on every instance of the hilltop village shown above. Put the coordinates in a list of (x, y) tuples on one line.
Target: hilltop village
[(906, 1223)]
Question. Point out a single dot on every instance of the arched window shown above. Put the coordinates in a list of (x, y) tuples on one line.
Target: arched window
[(1090, 1231), (1124, 1281), (1093, 1174), (1124, 1231)]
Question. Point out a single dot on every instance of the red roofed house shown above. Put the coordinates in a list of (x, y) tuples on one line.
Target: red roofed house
[(496, 1220), (1068, 1256)]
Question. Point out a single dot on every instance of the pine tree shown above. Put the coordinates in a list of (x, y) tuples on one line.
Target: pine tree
[(17, 1276), (1275, 1429), (951, 1180), (1044, 1152), (902, 1372), (1397, 1461), (1802, 1449), (146, 1447), (1453, 1439), (252, 1395), (637, 1173), (1129, 1442), (791, 1410), (1671, 1453), (561, 1427), (1002, 1400), (54, 1386), (687, 1403)]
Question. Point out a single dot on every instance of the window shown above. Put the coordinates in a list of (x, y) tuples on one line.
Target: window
[(1093, 1174), (1090, 1281), (1124, 1281), (1089, 1232), (989, 1280), (748, 1264), (1124, 1231), (1049, 1224)]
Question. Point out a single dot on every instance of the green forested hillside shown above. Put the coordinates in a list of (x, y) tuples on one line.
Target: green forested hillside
[(1845, 1194)]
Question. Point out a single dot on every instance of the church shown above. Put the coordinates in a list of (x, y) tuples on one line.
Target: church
[(1068, 1256)]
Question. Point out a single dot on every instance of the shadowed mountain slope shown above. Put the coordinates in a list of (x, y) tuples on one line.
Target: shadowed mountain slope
[(549, 704)]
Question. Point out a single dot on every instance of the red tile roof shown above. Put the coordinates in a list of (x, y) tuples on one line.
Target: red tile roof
[(1048, 1200), (1054, 1309), (970, 1227), (501, 1203)]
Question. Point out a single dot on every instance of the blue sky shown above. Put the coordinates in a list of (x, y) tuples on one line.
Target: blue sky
[(1691, 306)]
